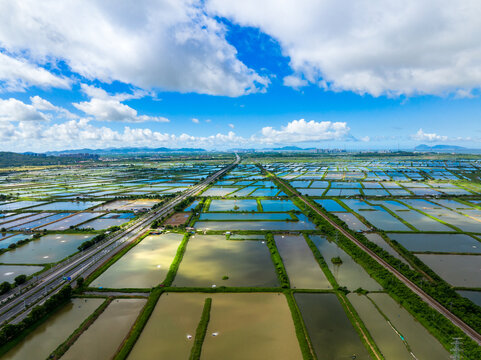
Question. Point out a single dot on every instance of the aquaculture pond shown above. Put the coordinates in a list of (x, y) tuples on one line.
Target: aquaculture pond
[(10, 272), (10, 238), (450, 243), (108, 220), (332, 334), (278, 205), (19, 205), (38, 223), (458, 270), (102, 339), (379, 241), (70, 221), (302, 224), (250, 326), (211, 260), (170, 330), (47, 249), (349, 273), (144, 266), (388, 341), (67, 205), (302, 268), (219, 191), (53, 331), (330, 205), (233, 205), (422, 344), (474, 296), (245, 216), (351, 221)]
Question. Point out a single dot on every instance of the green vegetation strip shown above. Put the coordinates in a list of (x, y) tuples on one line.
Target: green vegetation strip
[(139, 325), (176, 262), (201, 330), (62, 348), (305, 344), (432, 320), (277, 260)]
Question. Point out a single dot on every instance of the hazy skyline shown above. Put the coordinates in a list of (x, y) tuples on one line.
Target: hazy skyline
[(225, 74)]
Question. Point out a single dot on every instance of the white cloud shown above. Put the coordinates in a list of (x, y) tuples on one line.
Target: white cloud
[(377, 47), (18, 74), (304, 131), (365, 139), (422, 136), (114, 110), (76, 134), (105, 107), (168, 44), (195, 120), (44, 105), (208, 120), (231, 126), (294, 81), (13, 110)]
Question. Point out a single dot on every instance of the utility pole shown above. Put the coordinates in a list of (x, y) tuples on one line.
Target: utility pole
[(456, 349)]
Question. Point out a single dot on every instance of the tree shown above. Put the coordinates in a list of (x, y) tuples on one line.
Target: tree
[(20, 279), (5, 287)]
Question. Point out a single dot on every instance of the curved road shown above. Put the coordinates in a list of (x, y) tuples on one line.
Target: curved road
[(470, 332)]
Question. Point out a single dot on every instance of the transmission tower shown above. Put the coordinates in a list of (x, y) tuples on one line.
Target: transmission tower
[(456, 349)]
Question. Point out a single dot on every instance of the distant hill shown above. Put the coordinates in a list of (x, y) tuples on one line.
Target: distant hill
[(126, 150), (11, 159), (445, 148)]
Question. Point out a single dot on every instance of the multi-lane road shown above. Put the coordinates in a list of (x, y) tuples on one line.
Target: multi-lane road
[(470, 332), (15, 305)]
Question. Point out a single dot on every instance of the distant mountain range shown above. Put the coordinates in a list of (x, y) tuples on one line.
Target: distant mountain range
[(446, 148), (126, 150)]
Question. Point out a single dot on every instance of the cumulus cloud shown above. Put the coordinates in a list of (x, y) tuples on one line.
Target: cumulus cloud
[(167, 44), (422, 136), (231, 126), (294, 81), (114, 110), (80, 133), (195, 120), (16, 74), (375, 47), (304, 131), (105, 107), (13, 110)]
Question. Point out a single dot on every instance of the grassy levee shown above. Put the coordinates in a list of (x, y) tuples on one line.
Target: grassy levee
[(169, 278), (303, 338), (277, 260), (130, 340), (322, 262), (356, 321), (201, 331), (431, 319), (361, 329), (62, 348)]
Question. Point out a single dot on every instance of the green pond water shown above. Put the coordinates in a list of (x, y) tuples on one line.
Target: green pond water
[(144, 266), (332, 334), (102, 339), (47, 249), (302, 268), (208, 258), (349, 273), (54, 331)]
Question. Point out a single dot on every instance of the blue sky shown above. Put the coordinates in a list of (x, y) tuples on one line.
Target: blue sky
[(228, 74)]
